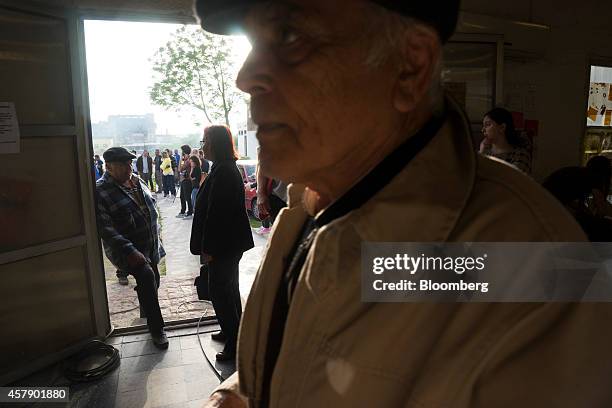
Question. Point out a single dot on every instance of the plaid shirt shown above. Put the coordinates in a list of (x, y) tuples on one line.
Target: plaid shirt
[(123, 226)]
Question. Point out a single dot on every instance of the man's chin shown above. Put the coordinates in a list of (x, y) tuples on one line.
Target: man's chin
[(279, 169)]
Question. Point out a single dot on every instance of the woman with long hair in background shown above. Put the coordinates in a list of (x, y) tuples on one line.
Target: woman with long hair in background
[(502, 141), (221, 233)]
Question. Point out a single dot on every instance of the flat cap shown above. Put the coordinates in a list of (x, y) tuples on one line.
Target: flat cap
[(117, 154), (224, 16)]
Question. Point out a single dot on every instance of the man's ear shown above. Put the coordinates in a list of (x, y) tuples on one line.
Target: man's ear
[(420, 54)]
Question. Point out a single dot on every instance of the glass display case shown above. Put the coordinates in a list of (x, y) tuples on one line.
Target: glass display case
[(598, 137)]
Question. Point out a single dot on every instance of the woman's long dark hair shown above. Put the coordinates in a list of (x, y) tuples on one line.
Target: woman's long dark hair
[(195, 160), (502, 116), (221, 143), (186, 149)]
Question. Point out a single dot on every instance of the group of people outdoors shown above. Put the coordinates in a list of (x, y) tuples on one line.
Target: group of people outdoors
[(374, 151), (221, 232), (166, 171)]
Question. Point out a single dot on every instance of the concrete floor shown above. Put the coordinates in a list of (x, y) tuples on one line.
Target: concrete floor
[(147, 377), (177, 295)]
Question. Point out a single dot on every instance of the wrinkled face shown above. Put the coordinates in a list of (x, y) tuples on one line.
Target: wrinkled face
[(120, 171), (492, 131), (313, 97)]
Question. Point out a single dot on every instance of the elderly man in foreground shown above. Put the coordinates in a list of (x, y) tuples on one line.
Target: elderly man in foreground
[(346, 95)]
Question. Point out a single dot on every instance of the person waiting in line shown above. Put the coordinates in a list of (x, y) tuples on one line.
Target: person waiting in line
[(196, 178), (168, 173), (221, 233), (144, 165), (205, 165), (96, 170), (502, 141), (176, 158), (572, 186), (127, 222), (348, 101), (271, 198), (600, 171), (134, 168), (159, 175), (185, 182), (99, 164)]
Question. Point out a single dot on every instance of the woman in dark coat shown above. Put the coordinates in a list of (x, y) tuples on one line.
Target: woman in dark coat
[(221, 232)]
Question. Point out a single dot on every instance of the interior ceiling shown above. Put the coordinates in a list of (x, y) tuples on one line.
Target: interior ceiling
[(547, 12), (514, 8), (128, 4), (177, 7)]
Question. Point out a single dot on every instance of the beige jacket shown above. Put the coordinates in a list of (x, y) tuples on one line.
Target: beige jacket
[(339, 352)]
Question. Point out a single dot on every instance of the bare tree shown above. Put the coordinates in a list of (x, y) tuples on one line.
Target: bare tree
[(196, 69)]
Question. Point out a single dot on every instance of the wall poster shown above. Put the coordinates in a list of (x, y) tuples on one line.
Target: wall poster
[(9, 128)]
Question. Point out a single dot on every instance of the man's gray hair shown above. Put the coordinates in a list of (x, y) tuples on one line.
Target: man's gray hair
[(385, 32)]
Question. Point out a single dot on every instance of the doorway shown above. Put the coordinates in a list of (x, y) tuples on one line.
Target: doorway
[(139, 98)]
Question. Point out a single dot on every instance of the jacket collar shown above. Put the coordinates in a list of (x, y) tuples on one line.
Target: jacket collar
[(425, 200), (147, 197), (379, 177), (432, 188)]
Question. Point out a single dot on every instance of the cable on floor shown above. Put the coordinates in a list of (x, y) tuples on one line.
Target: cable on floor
[(212, 367), (93, 362)]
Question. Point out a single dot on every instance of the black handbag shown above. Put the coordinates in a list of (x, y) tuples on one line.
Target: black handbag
[(201, 283)]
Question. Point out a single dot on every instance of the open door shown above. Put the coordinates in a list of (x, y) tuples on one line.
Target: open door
[(52, 296)]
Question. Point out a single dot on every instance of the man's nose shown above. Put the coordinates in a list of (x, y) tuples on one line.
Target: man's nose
[(255, 76)]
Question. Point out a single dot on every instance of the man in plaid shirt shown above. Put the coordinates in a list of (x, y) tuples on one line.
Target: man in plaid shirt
[(127, 221)]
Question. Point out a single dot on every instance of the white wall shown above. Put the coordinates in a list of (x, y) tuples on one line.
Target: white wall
[(247, 144)]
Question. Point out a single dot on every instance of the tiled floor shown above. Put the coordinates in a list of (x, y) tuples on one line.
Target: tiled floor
[(147, 377)]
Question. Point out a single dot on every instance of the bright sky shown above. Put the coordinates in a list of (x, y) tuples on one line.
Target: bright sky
[(120, 73)]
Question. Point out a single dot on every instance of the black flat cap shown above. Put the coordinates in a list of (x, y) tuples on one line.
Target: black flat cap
[(117, 154), (224, 16)]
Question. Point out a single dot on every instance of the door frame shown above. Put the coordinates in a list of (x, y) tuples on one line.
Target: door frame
[(87, 240)]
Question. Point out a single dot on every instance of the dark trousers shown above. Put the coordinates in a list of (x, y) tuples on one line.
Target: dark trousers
[(169, 185), (147, 284), (158, 180), (186, 188), (148, 180), (225, 296), (276, 204)]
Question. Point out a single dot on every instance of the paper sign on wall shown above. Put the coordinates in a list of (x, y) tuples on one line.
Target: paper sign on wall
[(9, 128)]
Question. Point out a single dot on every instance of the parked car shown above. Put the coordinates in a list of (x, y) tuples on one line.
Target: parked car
[(247, 171)]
